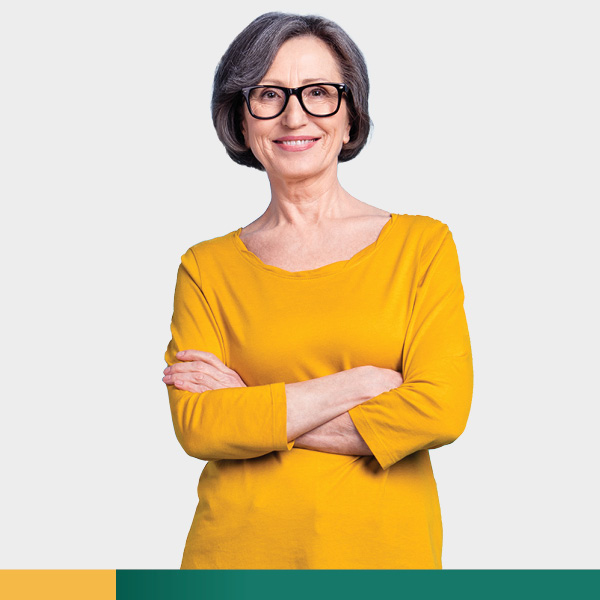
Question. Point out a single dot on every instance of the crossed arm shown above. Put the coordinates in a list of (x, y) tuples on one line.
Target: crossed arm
[(338, 436), (201, 371), (360, 411)]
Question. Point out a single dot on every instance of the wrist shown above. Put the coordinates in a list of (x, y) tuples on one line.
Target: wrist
[(360, 384)]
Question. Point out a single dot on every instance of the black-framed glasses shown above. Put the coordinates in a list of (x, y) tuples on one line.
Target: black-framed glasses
[(317, 99)]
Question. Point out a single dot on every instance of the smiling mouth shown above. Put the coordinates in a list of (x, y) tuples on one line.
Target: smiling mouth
[(296, 142)]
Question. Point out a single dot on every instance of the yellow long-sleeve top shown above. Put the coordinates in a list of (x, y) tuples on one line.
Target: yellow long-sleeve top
[(265, 504)]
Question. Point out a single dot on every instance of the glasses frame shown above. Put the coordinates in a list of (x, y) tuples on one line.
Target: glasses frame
[(341, 88)]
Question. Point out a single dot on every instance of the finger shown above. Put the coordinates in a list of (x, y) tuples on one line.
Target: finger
[(227, 376), (214, 366), (196, 386), (194, 379), (213, 381), (185, 367), (189, 386), (199, 367), (208, 357)]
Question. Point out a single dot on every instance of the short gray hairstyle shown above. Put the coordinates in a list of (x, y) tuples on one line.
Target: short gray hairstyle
[(250, 56)]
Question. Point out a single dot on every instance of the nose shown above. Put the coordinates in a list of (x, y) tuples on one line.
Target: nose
[(294, 116)]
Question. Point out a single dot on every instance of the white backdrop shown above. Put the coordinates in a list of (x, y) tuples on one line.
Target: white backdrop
[(486, 118)]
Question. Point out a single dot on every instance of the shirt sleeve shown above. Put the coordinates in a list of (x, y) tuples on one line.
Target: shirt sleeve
[(229, 423), (431, 407)]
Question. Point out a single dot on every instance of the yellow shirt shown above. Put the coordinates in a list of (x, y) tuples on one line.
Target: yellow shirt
[(264, 504)]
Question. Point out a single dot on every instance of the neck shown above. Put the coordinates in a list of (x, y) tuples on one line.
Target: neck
[(307, 201)]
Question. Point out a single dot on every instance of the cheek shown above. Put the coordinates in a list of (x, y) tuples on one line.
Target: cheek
[(258, 142)]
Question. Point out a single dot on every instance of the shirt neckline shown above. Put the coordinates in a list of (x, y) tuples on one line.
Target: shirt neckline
[(322, 271)]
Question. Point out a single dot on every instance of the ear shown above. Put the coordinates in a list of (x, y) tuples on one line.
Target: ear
[(244, 133), (347, 132), (243, 116)]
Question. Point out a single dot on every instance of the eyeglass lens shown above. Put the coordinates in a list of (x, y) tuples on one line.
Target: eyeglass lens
[(318, 99)]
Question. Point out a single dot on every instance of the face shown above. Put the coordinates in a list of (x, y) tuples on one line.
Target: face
[(300, 61)]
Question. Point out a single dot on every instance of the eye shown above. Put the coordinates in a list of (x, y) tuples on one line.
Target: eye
[(270, 94), (318, 92)]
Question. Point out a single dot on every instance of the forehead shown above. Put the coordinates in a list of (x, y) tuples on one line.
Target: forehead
[(304, 58)]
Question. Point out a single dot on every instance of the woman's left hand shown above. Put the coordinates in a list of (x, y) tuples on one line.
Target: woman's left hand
[(200, 371)]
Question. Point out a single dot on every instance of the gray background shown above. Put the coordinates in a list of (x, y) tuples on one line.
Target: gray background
[(486, 118)]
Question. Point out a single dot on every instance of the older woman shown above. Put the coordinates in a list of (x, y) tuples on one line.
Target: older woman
[(319, 353)]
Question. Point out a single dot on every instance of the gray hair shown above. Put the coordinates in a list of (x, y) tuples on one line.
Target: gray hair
[(250, 56)]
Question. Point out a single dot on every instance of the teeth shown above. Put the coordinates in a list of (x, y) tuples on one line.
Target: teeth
[(296, 142)]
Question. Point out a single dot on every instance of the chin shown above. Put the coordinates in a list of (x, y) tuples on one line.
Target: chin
[(294, 169)]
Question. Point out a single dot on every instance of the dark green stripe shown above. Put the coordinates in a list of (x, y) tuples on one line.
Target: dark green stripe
[(366, 584)]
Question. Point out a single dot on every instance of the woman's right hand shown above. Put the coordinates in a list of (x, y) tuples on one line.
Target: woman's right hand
[(376, 380), (200, 371)]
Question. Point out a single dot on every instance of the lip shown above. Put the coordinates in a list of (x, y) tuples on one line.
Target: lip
[(301, 142)]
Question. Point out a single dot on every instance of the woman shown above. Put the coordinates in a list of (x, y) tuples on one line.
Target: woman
[(318, 353)]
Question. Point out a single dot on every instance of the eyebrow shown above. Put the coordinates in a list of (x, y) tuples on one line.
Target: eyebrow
[(304, 81)]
